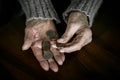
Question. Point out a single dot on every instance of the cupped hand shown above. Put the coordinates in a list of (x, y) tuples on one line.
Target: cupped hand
[(77, 26), (35, 34)]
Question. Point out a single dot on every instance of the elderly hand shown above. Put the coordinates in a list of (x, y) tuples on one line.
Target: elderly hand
[(35, 33), (77, 25)]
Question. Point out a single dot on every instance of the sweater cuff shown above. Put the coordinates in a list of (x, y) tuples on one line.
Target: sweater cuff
[(89, 7), (39, 9)]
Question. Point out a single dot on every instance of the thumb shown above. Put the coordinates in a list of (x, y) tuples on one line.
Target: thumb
[(70, 31), (27, 44), (27, 41)]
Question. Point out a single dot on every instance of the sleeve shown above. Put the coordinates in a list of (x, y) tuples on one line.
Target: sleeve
[(89, 7), (39, 9)]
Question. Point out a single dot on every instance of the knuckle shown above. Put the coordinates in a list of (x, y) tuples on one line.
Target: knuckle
[(90, 40), (35, 45), (88, 32), (78, 47), (65, 37), (71, 24)]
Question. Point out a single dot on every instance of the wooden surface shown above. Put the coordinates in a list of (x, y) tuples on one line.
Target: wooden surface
[(97, 61)]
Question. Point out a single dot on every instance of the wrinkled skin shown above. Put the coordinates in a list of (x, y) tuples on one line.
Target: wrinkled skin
[(77, 25), (35, 33)]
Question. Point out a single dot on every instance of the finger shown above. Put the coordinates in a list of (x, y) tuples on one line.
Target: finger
[(53, 65), (38, 54), (63, 56), (27, 41), (53, 44), (27, 44), (84, 36), (38, 44), (75, 45), (70, 31), (58, 57)]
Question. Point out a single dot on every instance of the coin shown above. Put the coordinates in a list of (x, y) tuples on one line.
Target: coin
[(52, 34), (46, 45), (47, 54)]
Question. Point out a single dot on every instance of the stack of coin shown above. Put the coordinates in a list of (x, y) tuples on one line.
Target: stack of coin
[(52, 34), (47, 54)]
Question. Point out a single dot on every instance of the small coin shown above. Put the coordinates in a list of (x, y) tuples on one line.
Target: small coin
[(52, 34), (46, 45), (47, 54)]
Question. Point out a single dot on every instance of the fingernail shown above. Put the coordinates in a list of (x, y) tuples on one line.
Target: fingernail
[(54, 46), (24, 47), (60, 40), (63, 59), (44, 66), (60, 63), (55, 70), (62, 51)]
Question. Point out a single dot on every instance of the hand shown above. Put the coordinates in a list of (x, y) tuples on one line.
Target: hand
[(77, 25), (35, 33)]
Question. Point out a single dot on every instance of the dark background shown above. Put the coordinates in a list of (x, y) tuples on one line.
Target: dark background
[(8, 8), (99, 60)]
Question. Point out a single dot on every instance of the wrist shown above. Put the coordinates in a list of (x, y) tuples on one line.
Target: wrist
[(77, 16), (38, 21)]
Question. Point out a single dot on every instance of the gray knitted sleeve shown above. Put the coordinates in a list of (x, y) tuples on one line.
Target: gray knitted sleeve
[(39, 9), (89, 7)]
